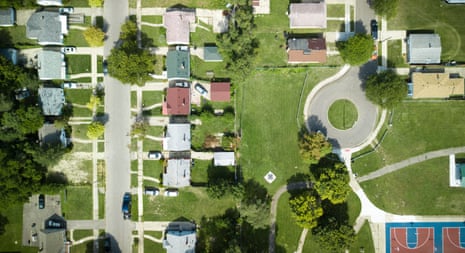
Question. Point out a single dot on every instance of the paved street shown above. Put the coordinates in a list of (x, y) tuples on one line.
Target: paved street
[(117, 139)]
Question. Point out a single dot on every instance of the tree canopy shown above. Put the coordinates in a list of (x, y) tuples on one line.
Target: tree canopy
[(129, 63), (386, 89), (356, 50), (333, 183), (335, 237), (94, 36), (95, 130), (386, 8), (313, 145), (306, 209), (257, 213), (96, 3)]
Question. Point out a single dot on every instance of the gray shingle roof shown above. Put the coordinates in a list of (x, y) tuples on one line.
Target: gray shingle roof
[(51, 65), (424, 49), (178, 64), (178, 173), (180, 241), (224, 159), (210, 53), (307, 15), (47, 27), (51, 100), (7, 17), (177, 137)]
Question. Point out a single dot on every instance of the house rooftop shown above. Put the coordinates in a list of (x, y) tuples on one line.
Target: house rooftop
[(49, 134), (178, 64), (52, 237), (178, 101), (224, 159), (7, 17), (49, 2), (220, 91), (307, 15), (177, 173), (48, 27), (182, 239), (51, 101), (306, 50), (177, 23), (211, 54), (436, 85), (51, 65), (424, 49), (177, 137)]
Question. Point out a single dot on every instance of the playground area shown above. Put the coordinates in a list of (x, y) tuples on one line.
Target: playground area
[(424, 237)]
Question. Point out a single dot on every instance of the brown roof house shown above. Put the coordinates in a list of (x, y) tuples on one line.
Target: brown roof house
[(220, 91), (307, 15), (436, 85), (178, 23), (306, 50), (177, 101)]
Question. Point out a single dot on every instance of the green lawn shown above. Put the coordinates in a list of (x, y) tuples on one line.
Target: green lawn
[(335, 10), (156, 131), (335, 26), (211, 125), (101, 205), (342, 114), (153, 168), (133, 99), (201, 36), (78, 96), (199, 69), (77, 202), (190, 204), (152, 97), (156, 34), (151, 145), (435, 16), (151, 246), (420, 189), (364, 240), (16, 37), (75, 38), (82, 147), (80, 131), (210, 4), (199, 172), (99, 64), (81, 112), (80, 234), (417, 128), (159, 64), (395, 57), (78, 64), (271, 118), (11, 239), (153, 19)]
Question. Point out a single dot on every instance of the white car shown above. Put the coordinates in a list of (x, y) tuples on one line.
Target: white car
[(66, 10), (156, 155), (67, 50), (171, 193), (152, 191)]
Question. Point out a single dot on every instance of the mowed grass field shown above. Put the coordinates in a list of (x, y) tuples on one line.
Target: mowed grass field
[(420, 189), (434, 15), (417, 128)]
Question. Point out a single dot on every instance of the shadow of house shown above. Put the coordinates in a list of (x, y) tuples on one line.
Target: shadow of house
[(180, 237), (52, 238)]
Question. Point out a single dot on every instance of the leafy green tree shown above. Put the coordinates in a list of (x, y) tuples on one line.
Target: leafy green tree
[(93, 103), (24, 120), (386, 8), (306, 209), (333, 184), (45, 155), (139, 128), (239, 45), (356, 50), (94, 36), (257, 214), (95, 130), (96, 3), (313, 146), (386, 89), (335, 237)]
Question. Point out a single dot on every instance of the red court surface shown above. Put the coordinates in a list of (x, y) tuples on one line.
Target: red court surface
[(424, 241), (451, 240)]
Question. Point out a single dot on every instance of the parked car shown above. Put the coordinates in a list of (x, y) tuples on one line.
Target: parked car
[(69, 85), (171, 193), (156, 155), (105, 67), (66, 10), (41, 201), (67, 50), (374, 29), (107, 245), (181, 84), (151, 191), (199, 88), (127, 205), (182, 48)]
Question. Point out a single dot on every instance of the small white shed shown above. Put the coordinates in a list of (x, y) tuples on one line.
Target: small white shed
[(224, 159)]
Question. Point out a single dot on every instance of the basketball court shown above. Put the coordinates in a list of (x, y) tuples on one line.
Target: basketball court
[(425, 237)]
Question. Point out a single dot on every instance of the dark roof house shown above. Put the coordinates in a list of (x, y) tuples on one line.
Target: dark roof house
[(52, 238), (178, 64), (51, 65), (51, 100), (307, 15), (48, 27), (177, 173), (306, 50), (180, 238), (177, 101), (178, 24), (220, 91), (177, 137), (211, 54), (50, 135), (424, 49), (7, 17)]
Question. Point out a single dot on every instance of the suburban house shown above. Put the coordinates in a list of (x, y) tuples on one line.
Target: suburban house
[(178, 23), (52, 237), (51, 100), (50, 135), (177, 173), (177, 101), (178, 64), (436, 85), (220, 91), (180, 238), (456, 172), (224, 159), (306, 50), (48, 27), (211, 54), (51, 64), (10, 54), (307, 15), (49, 2), (177, 137), (424, 49), (7, 17)]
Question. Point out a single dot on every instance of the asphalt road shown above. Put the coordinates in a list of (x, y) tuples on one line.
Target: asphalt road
[(117, 139), (347, 87)]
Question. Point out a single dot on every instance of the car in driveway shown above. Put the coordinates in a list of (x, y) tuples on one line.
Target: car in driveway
[(105, 67), (156, 155), (200, 89), (41, 201), (127, 205), (374, 29), (151, 191), (66, 10), (171, 193), (67, 50)]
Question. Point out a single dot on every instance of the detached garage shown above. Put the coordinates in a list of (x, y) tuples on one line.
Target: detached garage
[(224, 159)]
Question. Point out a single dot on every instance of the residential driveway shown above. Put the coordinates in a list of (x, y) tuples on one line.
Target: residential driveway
[(363, 15), (349, 87)]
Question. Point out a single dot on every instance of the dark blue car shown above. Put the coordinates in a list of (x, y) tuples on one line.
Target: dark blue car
[(126, 207), (374, 29)]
